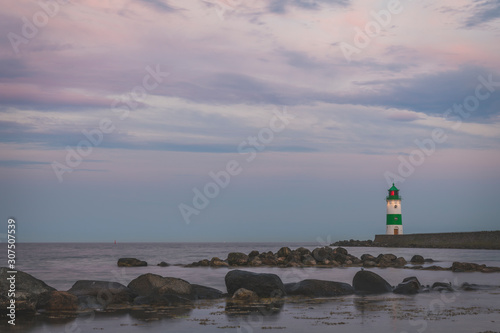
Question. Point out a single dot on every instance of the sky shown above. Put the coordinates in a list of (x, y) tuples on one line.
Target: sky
[(233, 120)]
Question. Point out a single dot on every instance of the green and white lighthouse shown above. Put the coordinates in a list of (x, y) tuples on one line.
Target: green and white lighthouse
[(394, 221)]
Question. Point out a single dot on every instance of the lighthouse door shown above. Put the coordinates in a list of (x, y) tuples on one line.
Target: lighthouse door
[(396, 231)]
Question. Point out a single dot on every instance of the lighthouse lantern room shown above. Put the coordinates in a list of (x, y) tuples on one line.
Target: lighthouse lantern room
[(394, 224)]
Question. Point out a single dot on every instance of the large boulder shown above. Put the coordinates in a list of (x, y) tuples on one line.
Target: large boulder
[(237, 259), (263, 284), (366, 282), (409, 286), (284, 252), (202, 292), (318, 288), (28, 290), (153, 284), (58, 301), (417, 259), (131, 262), (101, 292)]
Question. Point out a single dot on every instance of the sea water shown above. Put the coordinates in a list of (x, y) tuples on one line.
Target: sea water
[(60, 265)]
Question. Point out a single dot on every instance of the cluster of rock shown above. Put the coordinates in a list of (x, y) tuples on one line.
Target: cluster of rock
[(133, 262), (154, 291), (302, 257), (146, 290), (471, 267), (356, 243)]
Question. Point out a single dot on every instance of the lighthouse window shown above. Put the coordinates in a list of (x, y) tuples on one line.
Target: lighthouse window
[(392, 192), (395, 206)]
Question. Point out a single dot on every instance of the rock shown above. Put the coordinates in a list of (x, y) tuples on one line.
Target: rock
[(366, 282), (131, 262), (340, 258), (303, 251), (202, 292), (153, 284), (268, 260), (308, 260), (318, 288), (368, 257), (409, 286), (474, 287), (293, 257), (29, 290), (283, 252), (417, 259), (470, 267), (204, 263), (162, 300), (253, 254), (163, 264), (341, 250), (263, 284), (58, 301), (441, 286), (255, 262), (387, 258), (216, 262), (243, 294), (434, 268), (369, 263), (237, 259), (414, 278), (322, 253), (105, 292), (399, 262)]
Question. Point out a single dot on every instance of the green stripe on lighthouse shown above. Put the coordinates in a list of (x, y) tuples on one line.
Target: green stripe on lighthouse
[(394, 219)]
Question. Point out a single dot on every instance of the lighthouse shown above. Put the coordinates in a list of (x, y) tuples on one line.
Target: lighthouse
[(394, 223)]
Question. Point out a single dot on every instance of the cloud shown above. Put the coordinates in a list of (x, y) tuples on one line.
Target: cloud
[(483, 12), (281, 6), (21, 164), (404, 116), (159, 5), (430, 93)]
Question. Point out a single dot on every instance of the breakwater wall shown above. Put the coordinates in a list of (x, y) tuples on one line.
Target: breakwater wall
[(453, 240)]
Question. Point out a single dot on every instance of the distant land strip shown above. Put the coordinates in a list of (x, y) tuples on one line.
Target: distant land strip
[(488, 240)]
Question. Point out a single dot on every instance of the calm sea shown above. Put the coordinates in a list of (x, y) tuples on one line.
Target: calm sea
[(60, 265)]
